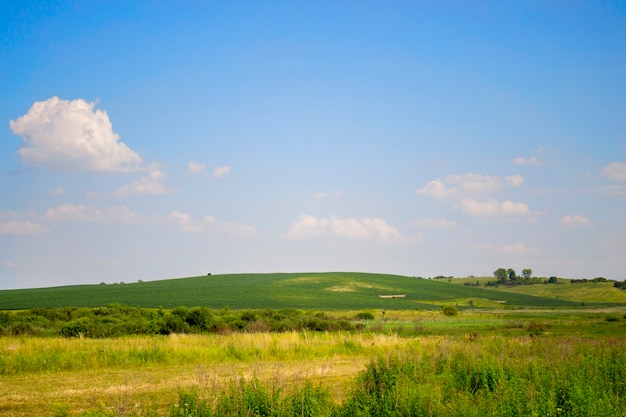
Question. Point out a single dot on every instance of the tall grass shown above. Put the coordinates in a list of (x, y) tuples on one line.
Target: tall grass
[(469, 375)]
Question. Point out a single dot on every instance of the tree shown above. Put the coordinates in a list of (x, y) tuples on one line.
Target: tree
[(553, 280), (500, 274), (527, 273), (511, 274)]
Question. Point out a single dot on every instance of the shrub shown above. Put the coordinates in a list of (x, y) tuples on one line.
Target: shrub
[(364, 315), (449, 311)]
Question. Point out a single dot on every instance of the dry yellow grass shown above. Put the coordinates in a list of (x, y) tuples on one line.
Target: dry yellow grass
[(205, 363)]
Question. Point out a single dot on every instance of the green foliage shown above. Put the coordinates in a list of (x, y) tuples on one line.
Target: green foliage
[(449, 311), (364, 315), (501, 275), (118, 320)]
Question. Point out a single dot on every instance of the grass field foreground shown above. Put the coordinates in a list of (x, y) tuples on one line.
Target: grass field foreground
[(508, 363)]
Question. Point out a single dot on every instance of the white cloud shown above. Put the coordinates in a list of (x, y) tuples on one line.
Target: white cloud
[(210, 225), (518, 249), (311, 227), (195, 168), (58, 191), (436, 189), (82, 213), (186, 224), (615, 171), (151, 184), (514, 180), (575, 220), (10, 264), (475, 183), (476, 208), (434, 223), (221, 171), (71, 136), (526, 161), (519, 209), (22, 228), (322, 194), (493, 208), (461, 185)]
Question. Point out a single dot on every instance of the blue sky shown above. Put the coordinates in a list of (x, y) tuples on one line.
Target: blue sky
[(150, 140)]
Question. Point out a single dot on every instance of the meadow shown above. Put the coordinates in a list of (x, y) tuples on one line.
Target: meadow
[(442, 350), (514, 362)]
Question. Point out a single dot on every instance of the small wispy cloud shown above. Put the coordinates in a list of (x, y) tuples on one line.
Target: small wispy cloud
[(151, 184), (58, 191), (434, 223), (615, 171), (575, 220), (220, 171), (22, 228), (492, 207), (514, 180), (527, 161), (195, 168), (453, 186)]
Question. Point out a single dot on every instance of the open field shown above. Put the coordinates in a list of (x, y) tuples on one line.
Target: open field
[(143, 375), (324, 291), (315, 345)]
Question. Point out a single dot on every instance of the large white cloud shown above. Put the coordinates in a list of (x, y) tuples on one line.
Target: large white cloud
[(615, 171), (311, 227), (71, 136)]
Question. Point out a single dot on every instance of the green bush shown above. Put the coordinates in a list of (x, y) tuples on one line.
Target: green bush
[(449, 311), (364, 315)]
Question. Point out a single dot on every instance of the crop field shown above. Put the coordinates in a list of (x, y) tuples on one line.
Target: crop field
[(441, 350), (325, 291)]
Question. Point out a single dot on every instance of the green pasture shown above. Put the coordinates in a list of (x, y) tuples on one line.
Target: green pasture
[(326, 291)]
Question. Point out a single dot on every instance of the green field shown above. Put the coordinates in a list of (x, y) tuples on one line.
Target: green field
[(313, 344), (325, 291)]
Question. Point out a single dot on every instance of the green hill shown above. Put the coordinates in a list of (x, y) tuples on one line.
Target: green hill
[(327, 291)]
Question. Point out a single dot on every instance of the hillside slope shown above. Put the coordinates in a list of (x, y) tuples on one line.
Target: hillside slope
[(328, 291)]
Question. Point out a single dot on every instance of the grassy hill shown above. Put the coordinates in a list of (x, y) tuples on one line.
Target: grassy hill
[(328, 291)]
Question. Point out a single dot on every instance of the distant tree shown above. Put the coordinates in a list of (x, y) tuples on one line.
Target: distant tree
[(552, 280), (599, 279), (527, 273), (511, 274), (501, 275)]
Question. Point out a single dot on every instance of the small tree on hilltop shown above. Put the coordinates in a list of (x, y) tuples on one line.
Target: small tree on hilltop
[(501, 275), (511, 274), (527, 273)]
